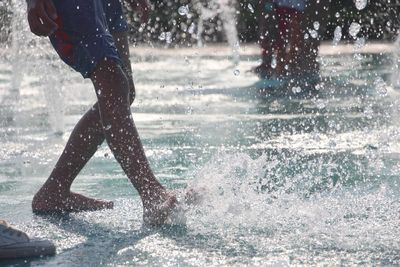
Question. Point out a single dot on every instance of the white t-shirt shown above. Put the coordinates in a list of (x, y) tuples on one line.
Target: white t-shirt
[(299, 5)]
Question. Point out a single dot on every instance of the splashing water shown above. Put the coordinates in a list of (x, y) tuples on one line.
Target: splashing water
[(354, 29), (183, 10), (299, 181), (361, 4), (226, 9), (396, 64), (337, 35), (30, 55), (241, 202)]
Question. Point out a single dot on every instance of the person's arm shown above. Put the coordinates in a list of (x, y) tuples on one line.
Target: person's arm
[(141, 6), (41, 17)]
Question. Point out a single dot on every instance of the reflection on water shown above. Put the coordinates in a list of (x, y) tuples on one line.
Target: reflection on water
[(287, 180)]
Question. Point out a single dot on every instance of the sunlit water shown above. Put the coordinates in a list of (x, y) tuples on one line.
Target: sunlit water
[(288, 180)]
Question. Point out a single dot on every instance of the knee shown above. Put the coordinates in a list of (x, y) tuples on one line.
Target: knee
[(111, 83), (132, 91)]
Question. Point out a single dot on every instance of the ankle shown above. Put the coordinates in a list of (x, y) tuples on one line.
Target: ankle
[(146, 182), (52, 192), (152, 193)]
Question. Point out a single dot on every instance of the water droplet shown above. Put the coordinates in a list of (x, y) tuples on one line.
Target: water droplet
[(189, 110), (108, 127), (331, 124), (354, 29), (77, 7), (320, 104), (99, 92), (360, 4), (296, 89), (359, 43), (236, 72), (313, 33), (162, 36), (332, 144), (319, 86), (380, 86), (192, 28), (168, 37), (368, 112), (187, 61), (337, 35), (183, 10), (273, 62), (250, 7), (316, 25), (337, 15), (358, 56)]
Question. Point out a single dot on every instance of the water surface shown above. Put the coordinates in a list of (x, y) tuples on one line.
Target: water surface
[(290, 180)]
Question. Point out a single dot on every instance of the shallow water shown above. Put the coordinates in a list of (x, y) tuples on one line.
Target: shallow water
[(288, 181)]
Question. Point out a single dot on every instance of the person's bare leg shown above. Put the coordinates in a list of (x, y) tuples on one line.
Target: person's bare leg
[(310, 63), (296, 39), (55, 194), (282, 41), (112, 90), (87, 136), (315, 11), (267, 33)]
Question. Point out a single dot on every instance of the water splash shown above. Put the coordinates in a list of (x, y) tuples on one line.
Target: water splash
[(396, 64), (301, 211), (360, 4), (32, 56), (16, 59), (226, 10), (183, 10), (337, 35), (354, 29)]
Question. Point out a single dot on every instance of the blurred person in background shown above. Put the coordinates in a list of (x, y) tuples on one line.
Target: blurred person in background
[(289, 36)]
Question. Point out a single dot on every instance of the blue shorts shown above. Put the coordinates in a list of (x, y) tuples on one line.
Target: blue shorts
[(83, 37)]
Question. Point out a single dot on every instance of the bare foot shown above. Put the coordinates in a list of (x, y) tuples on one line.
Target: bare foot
[(156, 210), (164, 209), (43, 202)]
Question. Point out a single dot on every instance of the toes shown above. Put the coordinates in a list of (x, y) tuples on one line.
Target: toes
[(158, 215)]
